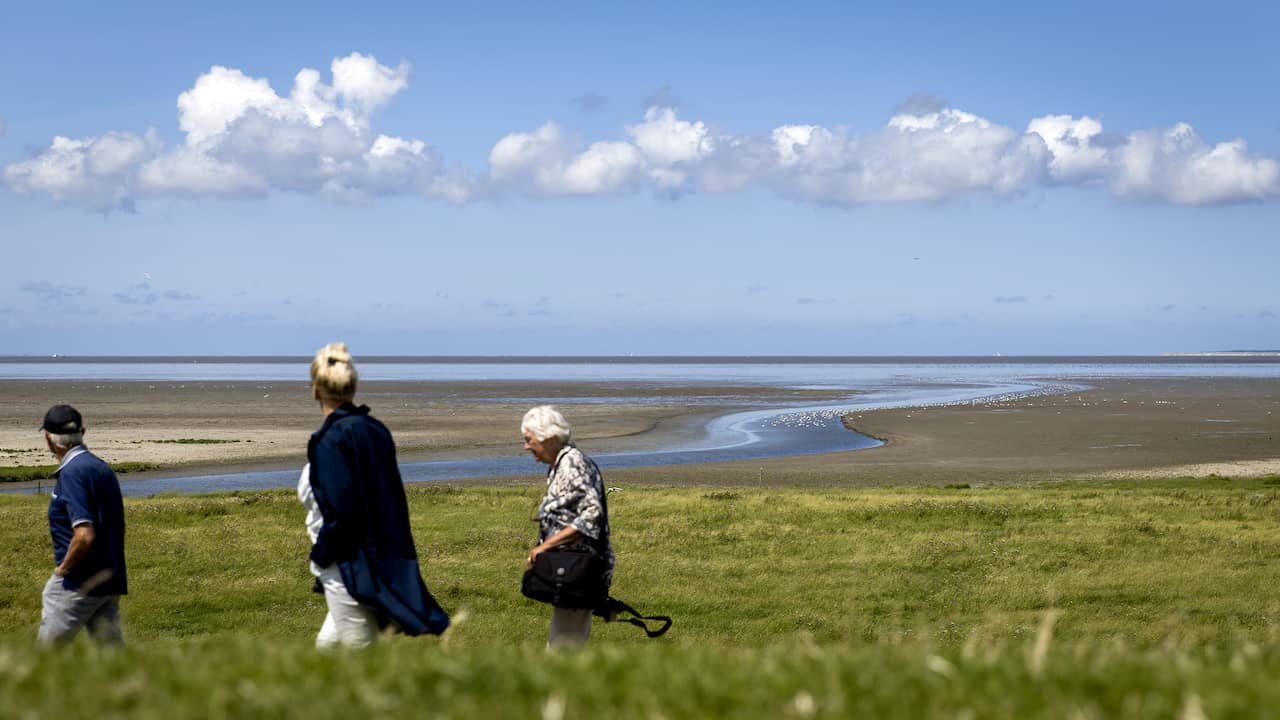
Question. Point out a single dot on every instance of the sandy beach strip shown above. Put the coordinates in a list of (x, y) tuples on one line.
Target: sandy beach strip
[(205, 426), (1119, 428)]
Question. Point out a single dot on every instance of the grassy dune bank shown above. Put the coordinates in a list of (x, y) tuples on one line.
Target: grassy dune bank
[(887, 602)]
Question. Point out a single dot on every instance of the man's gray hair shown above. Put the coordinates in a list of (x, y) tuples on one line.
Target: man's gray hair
[(544, 421), (66, 441)]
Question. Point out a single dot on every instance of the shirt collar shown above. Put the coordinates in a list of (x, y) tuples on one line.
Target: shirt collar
[(560, 455), (72, 454), (350, 408), (344, 410)]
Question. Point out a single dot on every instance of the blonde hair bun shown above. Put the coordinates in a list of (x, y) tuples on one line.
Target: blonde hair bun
[(333, 373)]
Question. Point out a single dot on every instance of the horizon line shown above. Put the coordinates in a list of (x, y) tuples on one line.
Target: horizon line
[(1168, 357)]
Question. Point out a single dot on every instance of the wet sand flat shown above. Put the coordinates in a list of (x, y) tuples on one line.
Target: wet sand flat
[(267, 423), (1121, 427)]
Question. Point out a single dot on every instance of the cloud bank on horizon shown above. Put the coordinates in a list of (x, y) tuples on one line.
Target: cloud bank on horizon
[(243, 139)]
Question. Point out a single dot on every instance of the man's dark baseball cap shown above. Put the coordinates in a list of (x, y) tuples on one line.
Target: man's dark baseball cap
[(63, 420)]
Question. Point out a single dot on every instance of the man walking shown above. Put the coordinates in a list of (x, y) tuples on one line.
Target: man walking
[(86, 521)]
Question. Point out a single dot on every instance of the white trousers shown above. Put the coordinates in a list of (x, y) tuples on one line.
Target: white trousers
[(64, 612), (348, 622), (569, 627)]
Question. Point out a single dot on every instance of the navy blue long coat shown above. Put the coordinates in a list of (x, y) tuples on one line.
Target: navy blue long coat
[(357, 486)]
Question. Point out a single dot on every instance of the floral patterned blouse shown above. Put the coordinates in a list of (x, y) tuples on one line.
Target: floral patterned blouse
[(575, 498)]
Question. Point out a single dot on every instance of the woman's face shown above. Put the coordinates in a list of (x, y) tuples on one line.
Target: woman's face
[(544, 451)]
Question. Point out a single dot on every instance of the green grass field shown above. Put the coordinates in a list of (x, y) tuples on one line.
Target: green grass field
[(25, 473), (1135, 599)]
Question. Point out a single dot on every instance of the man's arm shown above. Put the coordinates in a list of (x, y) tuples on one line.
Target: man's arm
[(79, 547)]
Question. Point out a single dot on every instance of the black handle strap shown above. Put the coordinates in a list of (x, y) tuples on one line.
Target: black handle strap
[(614, 607)]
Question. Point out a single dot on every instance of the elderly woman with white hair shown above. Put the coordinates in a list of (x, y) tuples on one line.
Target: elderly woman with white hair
[(572, 513)]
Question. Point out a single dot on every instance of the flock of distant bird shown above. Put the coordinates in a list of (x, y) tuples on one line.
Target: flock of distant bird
[(825, 417), (808, 418)]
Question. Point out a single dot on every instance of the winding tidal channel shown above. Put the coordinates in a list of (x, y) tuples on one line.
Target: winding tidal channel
[(747, 435), (761, 432)]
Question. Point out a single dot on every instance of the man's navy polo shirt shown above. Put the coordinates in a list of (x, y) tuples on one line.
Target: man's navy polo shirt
[(88, 491)]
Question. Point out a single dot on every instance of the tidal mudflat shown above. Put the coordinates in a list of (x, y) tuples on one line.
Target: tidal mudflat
[(1180, 425)]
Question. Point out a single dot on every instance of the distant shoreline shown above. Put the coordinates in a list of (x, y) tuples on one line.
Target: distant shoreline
[(1228, 354), (1226, 357)]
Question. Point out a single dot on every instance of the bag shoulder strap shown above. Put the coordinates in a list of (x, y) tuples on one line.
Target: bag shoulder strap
[(613, 608), (596, 544)]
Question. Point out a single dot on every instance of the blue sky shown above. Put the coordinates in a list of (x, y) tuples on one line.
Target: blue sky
[(582, 179)]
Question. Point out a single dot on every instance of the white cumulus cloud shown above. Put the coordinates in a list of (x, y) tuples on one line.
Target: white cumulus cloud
[(1076, 154), (671, 146), (603, 167), (520, 154), (190, 172), (366, 84), (242, 139), (788, 138), (1175, 165), (220, 97), (223, 95), (915, 157), (547, 162), (1171, 165), (663, 151), (99, 173)]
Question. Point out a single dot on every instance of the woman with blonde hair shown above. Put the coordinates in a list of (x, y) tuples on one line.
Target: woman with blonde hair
[(362, 552)]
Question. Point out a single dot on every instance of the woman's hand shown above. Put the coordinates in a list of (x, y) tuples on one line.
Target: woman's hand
[(563, 536)]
